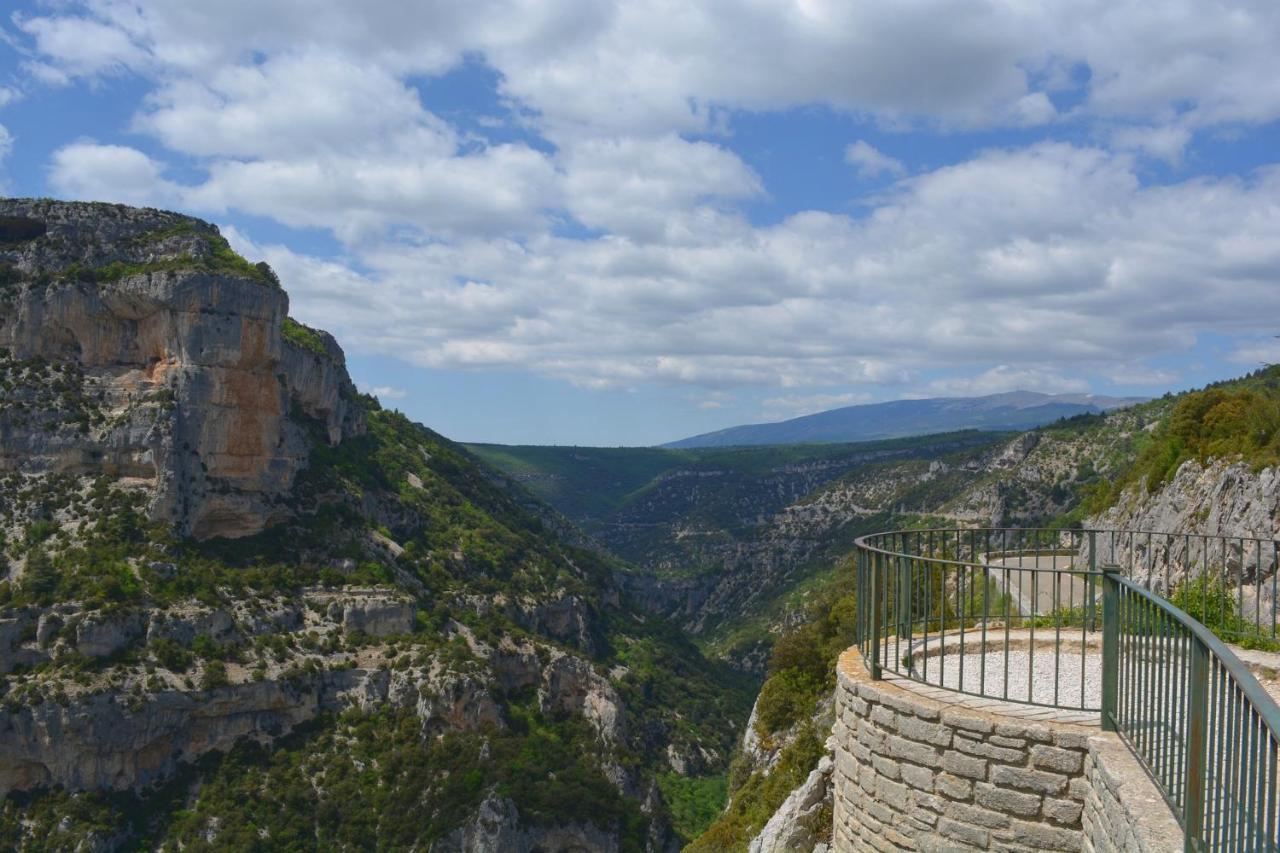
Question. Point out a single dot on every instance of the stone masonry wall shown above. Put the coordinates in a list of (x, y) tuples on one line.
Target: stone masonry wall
[(912, 773), (923, 772)]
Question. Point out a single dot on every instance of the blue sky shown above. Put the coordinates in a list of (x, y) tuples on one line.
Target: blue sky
[(578, 221)]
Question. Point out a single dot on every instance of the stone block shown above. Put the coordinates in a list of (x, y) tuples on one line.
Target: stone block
[(1040, 836), (958, 831), (1031, 731), (1055, 758), (917, 777), (893, 794), (964, 765), (909, 750), (968, 721), (953, 786), (1039, 781), (1070, 739), (931, 733), (923, 818), (1009, 742), (880, 812), (927, 712), (1006, 800), (989, 750), (977, 816), (1062, 811), (884, 718), (1079, 789), (886, 767)]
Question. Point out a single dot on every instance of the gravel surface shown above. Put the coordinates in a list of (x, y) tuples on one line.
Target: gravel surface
[(1036, 685)]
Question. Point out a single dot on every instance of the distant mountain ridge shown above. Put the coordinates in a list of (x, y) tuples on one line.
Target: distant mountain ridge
[(1012, 410)]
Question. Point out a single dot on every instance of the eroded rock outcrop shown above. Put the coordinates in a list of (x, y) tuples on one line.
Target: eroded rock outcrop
[(166, 362), (497, 828)]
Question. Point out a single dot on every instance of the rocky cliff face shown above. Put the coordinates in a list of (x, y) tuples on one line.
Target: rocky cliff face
[(213, 553), (134, 344), (1221, 498)]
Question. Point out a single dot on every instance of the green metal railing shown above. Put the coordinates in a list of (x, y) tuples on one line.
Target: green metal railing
[(1206, 730), (1001, 613), (1048, 617)]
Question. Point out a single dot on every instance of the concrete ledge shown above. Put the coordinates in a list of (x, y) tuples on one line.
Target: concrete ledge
[(1124, 810)]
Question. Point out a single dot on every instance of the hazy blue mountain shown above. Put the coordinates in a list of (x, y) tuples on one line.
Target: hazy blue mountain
[(1013, 410)]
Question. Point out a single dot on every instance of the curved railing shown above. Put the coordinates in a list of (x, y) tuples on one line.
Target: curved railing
[(1003, 612), (1069, 619)]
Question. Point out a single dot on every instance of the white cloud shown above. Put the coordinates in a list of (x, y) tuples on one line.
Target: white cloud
[(791, 406), (71, 46), (1006, 378), (645, 67), (1049, 258), (1259, 353), (633, 187), (6, 148), (1046, 260), (1164, 142), (871, 162), (92, 172), (387, 392)]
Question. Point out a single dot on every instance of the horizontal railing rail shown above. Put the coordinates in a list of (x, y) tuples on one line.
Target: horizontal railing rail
[(1127, 623)]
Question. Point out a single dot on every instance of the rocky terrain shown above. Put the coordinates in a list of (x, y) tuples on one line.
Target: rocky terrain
[(727, 542), (242, 604)]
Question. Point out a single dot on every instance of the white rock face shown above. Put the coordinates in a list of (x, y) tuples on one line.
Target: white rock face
[(1219, 499), (794, 826), (496, 829), (377, 613), (195, 378), (570, 684), (99, 636), (1223, 498)]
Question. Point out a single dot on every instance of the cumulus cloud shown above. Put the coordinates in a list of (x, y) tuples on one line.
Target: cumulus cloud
[(386, 392), (793, 405), (650, 66), (870, 162), (1045, 261), (607, 244), (1006, 378), (92, 172), (71, 46)]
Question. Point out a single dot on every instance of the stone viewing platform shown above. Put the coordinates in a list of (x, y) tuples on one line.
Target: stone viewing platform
[(918, 767)]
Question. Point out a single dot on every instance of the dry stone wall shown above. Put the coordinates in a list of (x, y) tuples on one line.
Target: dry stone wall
[(915, 773)]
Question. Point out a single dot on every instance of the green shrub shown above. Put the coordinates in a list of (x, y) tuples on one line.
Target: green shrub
[(170, 655), (695, 802), (1223, 422), (304, 336), (214, 675), (755, 801)]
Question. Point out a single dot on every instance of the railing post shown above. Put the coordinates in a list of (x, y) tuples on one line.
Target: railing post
[(1197, 741), (1110, 645), (1091, 606), (876, 611)]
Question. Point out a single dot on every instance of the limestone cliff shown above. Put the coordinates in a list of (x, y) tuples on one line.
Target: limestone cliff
[(241, 603), (165, 363)]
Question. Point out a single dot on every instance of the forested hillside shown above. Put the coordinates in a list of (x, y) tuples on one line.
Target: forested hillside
[(242, 605)]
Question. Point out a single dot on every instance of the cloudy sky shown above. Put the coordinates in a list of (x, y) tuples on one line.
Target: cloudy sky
[(578, 221)]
